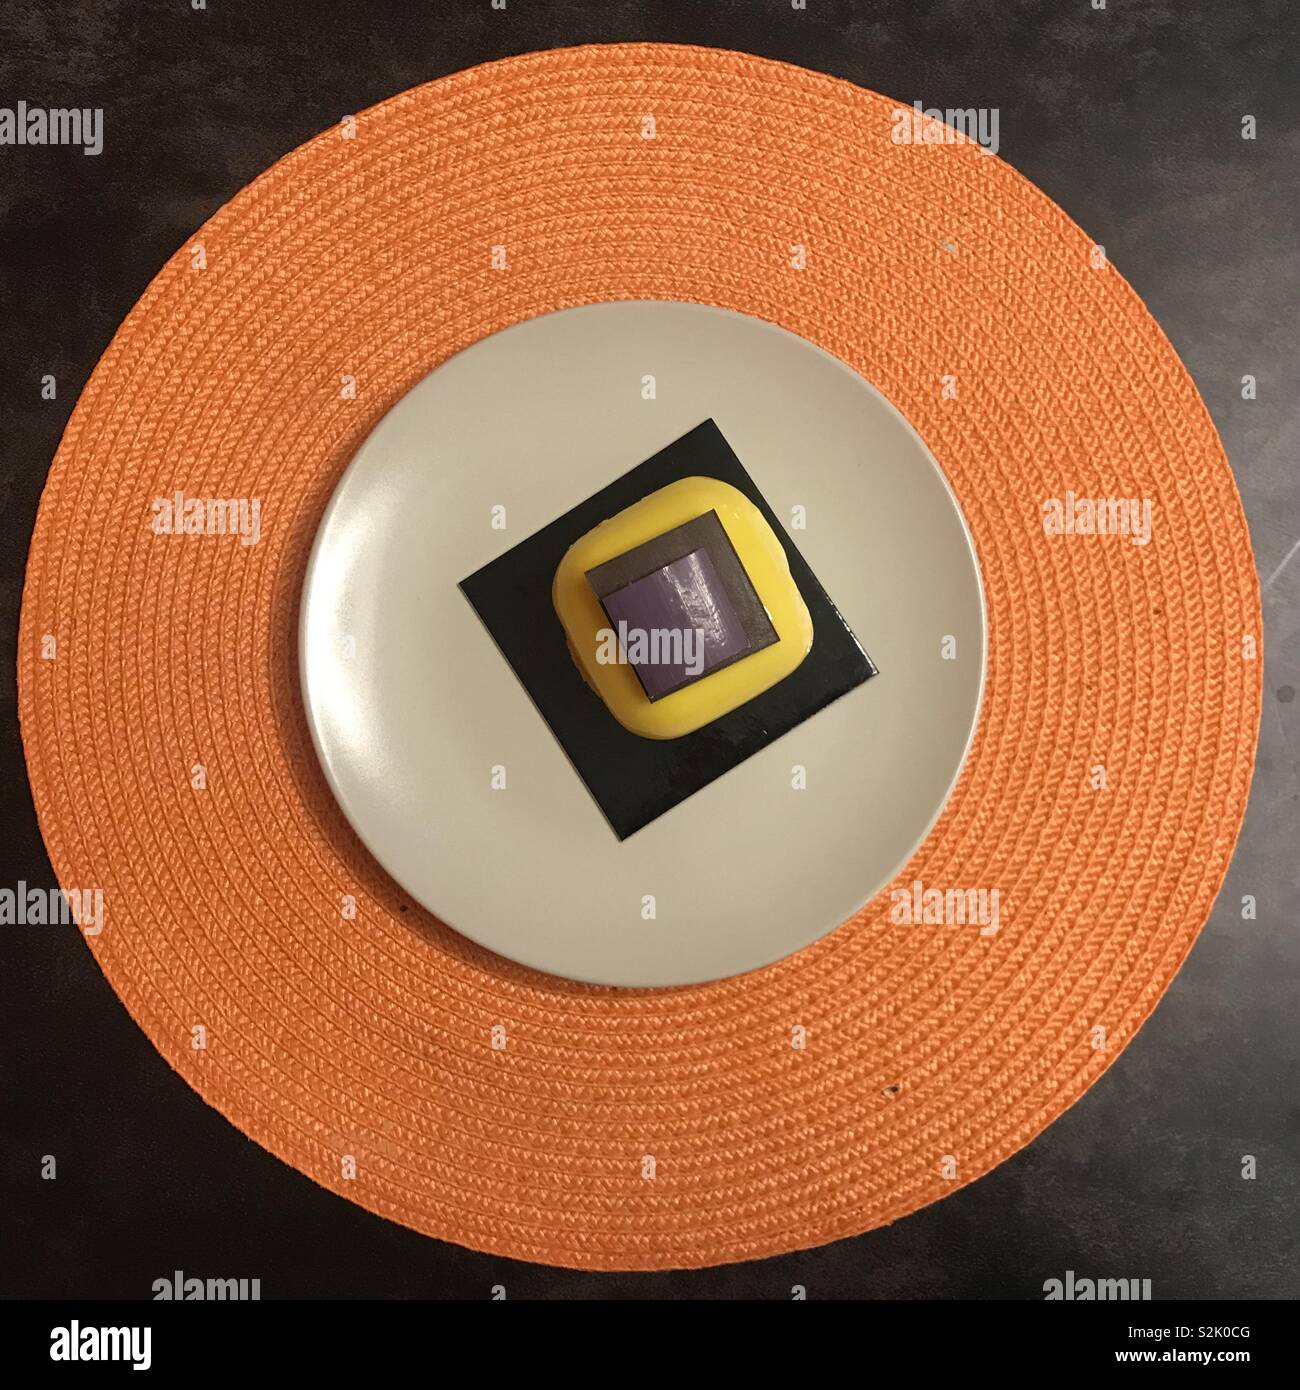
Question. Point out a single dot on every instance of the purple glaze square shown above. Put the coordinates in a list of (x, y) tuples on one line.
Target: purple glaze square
[(677, 624)]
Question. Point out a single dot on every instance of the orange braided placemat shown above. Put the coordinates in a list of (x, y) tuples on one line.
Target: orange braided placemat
[(931, 1053)]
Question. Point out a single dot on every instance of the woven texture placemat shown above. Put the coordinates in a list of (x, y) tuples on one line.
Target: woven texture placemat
[(361, 1051)]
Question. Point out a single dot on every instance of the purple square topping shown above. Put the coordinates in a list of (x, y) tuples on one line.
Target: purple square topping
[(676, 624)]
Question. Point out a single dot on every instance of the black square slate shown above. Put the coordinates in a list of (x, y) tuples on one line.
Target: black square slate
[(633, 779)]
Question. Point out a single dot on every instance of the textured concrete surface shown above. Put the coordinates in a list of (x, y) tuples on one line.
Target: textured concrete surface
[(1130, 118)]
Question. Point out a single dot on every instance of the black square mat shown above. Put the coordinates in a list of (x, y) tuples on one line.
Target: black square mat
[(635, 779)]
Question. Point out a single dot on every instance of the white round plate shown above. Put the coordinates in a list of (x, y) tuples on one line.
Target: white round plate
[(412, 706)]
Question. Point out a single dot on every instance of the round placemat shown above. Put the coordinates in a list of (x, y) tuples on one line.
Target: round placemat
[(291, 983)]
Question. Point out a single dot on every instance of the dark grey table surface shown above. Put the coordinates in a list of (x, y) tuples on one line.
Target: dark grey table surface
[(1130, 118)]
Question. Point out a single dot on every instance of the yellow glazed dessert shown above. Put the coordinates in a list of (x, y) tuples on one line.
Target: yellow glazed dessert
[(681, 608)]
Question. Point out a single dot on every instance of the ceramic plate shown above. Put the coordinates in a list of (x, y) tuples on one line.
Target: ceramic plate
[(453, 780)]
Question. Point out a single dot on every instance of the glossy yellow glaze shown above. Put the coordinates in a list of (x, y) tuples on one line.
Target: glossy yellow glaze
[(707, 699)]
